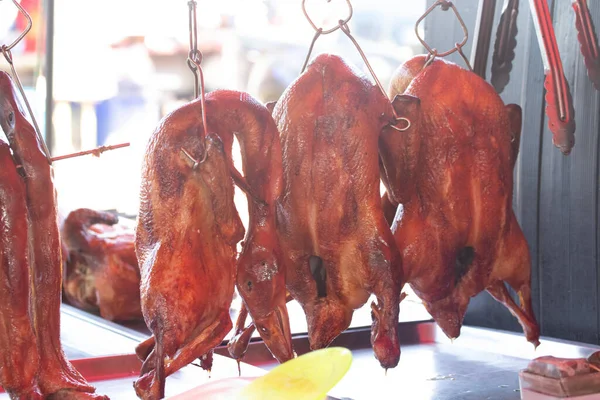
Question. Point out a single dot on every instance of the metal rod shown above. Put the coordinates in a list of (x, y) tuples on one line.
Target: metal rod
[(49, 74), (8, 56), (194, 60), (310, 49), (96, 152)]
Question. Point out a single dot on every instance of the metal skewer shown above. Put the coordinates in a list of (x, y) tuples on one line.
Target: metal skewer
[(96, 152)]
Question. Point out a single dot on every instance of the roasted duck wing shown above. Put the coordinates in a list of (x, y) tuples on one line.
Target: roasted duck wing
[(452, 172), (188, 229), (337, 246), (102, 273), (56, 378), (19, 357)]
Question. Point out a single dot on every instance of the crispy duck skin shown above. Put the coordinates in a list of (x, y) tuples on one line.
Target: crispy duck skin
[(102, 273), (260, 270), (188, 229), (337, 246), (19, 357), (452, 172), (57, 378)]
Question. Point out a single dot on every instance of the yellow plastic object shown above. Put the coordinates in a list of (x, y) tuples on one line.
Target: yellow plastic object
[(308, 377)]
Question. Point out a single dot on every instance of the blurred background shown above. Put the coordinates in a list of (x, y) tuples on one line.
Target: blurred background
[(117, 67), (120, 66)]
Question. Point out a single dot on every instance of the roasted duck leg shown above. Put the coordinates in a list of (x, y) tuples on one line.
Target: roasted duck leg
[(337, 246), (102, 273), (188, 228), (452, 172), (19, 359), (57, 378)]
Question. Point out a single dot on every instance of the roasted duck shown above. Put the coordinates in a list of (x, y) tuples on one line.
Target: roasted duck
[(188, 229), (260, 270), (102, 273), (452, 174), (57, 379), (19, 357), (337, 246)]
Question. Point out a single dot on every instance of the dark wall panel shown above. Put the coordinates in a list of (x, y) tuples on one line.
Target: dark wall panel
[(556, 197)]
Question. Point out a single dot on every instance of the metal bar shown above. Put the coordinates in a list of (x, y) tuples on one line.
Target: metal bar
[(49, 74), (96, 152)]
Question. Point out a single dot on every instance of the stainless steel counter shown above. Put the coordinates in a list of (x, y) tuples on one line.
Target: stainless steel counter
[(481, 364)]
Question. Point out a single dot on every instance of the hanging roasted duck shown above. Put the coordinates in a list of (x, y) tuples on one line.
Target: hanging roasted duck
[(452, 174), (19, 358), (336, 244), (57, 378), (101, 269), (188, 229)]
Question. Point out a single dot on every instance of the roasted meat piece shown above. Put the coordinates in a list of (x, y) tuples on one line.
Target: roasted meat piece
[(452, 173), (57, 379), (188, 229), (338, 248), (101, 271), (19, 357)]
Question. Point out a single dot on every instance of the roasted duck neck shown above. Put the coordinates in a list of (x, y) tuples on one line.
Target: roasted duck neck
[(56, 374), (260, 270), (336, 243), (452, 171)]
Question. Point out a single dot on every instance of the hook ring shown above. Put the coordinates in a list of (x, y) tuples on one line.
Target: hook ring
[(335, 28)]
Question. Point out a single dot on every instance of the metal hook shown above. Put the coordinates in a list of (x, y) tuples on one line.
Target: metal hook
[(191, 161), (6, 51), (343, 26), (25, 32), (193, 62), (445, 5), (335, 28)]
